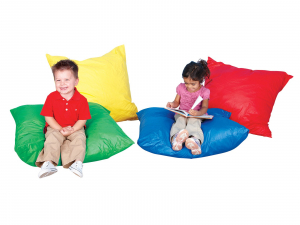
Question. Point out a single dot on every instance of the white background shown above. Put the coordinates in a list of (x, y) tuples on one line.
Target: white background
[(256, 183)]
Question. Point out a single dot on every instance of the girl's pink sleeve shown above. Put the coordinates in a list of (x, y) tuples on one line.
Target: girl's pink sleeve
[(178, 90), (206, 94)]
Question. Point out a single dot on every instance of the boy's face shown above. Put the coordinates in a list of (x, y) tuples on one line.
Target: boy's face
[(65, 82), (191, 85)]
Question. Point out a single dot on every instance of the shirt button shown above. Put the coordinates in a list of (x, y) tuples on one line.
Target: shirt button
[(75, 109), (63, 99), (66, 103), (66, 109)]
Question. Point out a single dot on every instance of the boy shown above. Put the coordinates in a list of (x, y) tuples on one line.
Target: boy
[(66, 112)]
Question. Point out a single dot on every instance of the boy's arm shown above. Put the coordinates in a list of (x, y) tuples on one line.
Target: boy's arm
[(78, 125), (52, 123), (84, 115)]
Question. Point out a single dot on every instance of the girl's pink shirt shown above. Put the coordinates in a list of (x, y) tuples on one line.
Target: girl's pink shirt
[(187, 99)]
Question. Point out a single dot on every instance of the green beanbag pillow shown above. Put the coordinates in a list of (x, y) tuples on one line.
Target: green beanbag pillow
[(104, 137)]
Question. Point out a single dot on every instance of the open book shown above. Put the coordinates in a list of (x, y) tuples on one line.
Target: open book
[(186, 114)]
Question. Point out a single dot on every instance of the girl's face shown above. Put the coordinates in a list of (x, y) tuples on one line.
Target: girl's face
[(192, 85)]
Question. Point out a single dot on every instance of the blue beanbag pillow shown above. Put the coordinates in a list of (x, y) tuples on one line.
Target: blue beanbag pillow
[(220, 134)]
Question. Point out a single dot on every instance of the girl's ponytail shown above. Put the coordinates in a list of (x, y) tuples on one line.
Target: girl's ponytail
[(205, 69)]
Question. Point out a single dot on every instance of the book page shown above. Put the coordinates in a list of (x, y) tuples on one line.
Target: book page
[(198, 100), (186, 114), (183, 112)]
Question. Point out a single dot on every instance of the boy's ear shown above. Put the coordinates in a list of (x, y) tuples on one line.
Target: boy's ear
[(76, 82)]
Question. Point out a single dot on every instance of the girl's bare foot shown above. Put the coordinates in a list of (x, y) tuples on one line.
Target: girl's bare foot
[(194, 145), (178, 139)]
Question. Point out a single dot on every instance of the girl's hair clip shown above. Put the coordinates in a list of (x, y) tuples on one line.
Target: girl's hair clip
[(201, 61)]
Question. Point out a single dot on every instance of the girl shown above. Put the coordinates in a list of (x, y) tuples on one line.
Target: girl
[(184, 129)]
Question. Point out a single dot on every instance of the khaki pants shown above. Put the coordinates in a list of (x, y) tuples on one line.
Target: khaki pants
[(192, 125), (70, 148)]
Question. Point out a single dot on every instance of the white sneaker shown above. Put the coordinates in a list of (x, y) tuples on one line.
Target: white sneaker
[(76, 168), (47, 169)]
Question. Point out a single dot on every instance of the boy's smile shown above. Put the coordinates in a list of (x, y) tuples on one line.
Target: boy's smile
[(192, 85), (65, 83)]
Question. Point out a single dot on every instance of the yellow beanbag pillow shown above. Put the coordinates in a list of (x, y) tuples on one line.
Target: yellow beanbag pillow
[(104, 80)]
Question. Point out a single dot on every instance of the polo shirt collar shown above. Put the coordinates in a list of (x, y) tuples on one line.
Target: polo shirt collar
[(76, 95)]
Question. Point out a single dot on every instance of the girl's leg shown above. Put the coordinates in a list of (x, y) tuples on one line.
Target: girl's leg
[(178, 133), (194, 128), (196, 133), (180, 124)]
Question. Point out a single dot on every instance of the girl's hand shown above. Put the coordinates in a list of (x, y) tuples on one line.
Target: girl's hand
[(194, 112), (170, 105)]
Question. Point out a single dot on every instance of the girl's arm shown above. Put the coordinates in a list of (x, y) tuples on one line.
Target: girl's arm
[(204, 108), (202, 111), (52, 123), (175, 103)]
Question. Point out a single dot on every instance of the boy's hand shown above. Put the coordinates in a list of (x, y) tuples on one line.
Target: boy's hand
[(66, 131), (194, 112)]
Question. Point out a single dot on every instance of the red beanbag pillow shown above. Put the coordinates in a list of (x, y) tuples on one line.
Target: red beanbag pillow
[(248, 94)]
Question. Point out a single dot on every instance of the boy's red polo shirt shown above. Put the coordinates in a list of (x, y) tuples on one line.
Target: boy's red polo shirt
[(66, 113)]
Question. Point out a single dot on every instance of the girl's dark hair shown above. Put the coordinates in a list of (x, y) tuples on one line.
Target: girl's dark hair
[(66, 64), (196, 71)]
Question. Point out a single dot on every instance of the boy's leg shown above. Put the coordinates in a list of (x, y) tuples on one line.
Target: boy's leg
[(180, 123), (51, 150), (73, 148), (194, 128)]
